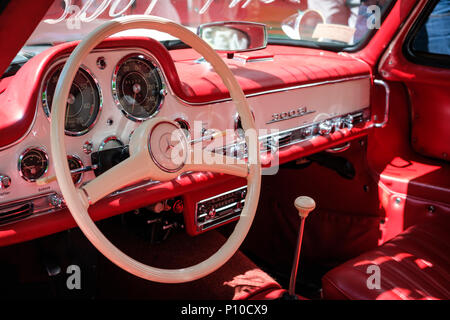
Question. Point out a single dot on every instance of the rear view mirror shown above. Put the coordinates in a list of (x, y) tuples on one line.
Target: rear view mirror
[(231, 36)]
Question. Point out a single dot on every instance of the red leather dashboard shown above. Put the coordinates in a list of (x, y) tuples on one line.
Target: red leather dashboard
[(290, 66)]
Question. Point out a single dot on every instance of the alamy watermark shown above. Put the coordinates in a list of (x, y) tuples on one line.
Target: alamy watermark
[(225, 147), (374, 280), (373, 17), (73, 281)]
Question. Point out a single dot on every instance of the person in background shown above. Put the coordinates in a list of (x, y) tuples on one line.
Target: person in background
[(351, 13), (342, 12), (434, 36)]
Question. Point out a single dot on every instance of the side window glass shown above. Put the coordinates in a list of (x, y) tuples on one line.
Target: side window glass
[(433, 36)]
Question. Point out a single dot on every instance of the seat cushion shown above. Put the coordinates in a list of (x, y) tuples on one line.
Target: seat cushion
[(413, 265)]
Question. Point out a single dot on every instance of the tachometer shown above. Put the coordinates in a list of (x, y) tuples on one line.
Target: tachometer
[(83, 103), (137, 87)]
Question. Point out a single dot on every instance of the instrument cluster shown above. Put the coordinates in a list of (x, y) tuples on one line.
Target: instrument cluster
[(137, 89)]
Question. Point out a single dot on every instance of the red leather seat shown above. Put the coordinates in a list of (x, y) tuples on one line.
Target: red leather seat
[(413, 265)]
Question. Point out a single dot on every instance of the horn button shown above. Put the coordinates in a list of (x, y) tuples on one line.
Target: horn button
[(167, 146)]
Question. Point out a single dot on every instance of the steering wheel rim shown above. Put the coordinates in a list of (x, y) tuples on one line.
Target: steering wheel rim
[(79, 200)]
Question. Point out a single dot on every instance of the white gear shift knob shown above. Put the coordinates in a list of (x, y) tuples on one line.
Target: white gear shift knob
[(304, 205)]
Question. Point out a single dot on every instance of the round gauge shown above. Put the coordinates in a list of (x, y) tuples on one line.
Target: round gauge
[(74, 164), (137, 88), (33, 164), (83, 103), (168, 146)]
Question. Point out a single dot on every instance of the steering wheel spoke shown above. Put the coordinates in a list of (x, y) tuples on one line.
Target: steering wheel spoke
[(204, 160), (125, 173)]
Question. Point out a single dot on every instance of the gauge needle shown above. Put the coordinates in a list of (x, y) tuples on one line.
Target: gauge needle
[(70, 101), (136, 90), (32, 169), (134, 102)]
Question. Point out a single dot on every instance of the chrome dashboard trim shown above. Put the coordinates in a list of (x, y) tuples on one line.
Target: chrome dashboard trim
[(38, 212), (134, 187), (284, 133)]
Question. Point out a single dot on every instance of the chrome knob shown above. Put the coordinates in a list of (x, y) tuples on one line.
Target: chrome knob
[(56, 200), (348, 122), (212, 213), (325, 127), (88, 147), (5, 182)]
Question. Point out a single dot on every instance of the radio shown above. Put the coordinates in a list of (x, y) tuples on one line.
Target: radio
[(220, 208)]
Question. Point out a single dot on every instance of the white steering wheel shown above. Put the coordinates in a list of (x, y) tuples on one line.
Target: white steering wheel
[(146, 160)]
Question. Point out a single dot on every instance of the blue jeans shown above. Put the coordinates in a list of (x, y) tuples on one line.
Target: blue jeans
[(434, 36)]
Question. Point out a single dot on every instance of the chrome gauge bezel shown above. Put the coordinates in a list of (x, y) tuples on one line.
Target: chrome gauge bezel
[(20, 160), (153, 62), (46, 107), (109, 139), (80, 163)]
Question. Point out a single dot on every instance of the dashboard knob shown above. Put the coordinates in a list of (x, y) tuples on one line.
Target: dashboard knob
[(5, 181), (212, 213), (88, 147), (56, 200), (178, 206), (348, 122), (325, 127)]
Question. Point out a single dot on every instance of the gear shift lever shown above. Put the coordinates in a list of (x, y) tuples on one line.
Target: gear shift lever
[(304, 205)]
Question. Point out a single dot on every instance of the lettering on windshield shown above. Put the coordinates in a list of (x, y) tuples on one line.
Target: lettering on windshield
[(74, 15)]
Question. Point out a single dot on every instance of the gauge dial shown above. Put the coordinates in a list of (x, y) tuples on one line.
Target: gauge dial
[(74, 164), (83, 103), (33, 164), (137, 87)]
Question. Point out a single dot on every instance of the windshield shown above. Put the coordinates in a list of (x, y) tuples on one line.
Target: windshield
[(341, 22)]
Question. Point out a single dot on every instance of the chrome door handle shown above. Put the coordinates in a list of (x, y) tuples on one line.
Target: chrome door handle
[(340, 148)]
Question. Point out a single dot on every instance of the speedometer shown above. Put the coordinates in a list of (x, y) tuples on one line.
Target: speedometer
[(83, 103), (137, 87)]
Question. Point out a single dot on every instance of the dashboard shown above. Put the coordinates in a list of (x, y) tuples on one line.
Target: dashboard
[(300, 107)]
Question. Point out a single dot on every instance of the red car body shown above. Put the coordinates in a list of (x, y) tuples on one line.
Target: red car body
[(402, 172)]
